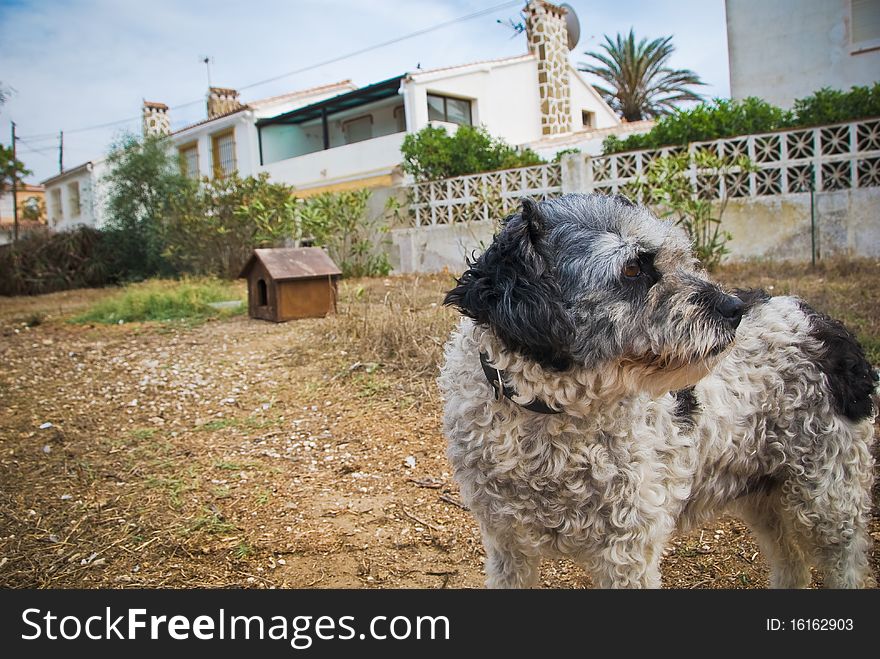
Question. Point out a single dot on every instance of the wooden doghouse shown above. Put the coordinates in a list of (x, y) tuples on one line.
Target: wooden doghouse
[(285, 284)]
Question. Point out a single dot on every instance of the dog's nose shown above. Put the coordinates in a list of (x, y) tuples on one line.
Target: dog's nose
[(730, 310)]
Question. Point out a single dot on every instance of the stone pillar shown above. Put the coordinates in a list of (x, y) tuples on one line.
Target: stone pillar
[(548, 41), (156, 121), (222, 101)]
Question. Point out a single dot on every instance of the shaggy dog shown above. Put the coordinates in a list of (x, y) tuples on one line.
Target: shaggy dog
[(601, 392)]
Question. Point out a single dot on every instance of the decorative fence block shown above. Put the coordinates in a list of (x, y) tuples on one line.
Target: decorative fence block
[(825, 158), (486, 196)]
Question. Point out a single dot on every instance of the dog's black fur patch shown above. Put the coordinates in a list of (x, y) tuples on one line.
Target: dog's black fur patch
[(760, 485), (511, 289), (851, 379), (751, 297), (686, 407)]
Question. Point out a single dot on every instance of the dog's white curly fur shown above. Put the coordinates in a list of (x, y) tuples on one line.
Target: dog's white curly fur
[(608, 481)]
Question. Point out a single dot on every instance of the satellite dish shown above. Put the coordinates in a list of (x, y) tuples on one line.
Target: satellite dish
[(572, 26)]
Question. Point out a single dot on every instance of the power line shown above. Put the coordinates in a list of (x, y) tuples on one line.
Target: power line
[(304, 69), (390, 42), (27, 145)]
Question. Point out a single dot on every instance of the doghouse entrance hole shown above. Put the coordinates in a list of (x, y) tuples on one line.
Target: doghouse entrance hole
[(262, 293)]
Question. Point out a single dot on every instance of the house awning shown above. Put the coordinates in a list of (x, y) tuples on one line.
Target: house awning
[(362, 96)]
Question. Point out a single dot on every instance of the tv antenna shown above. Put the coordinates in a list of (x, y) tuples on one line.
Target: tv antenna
[(207, 60), (517, 27)]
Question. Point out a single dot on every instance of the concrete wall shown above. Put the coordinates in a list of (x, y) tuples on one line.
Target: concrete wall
[(773, 227), (778, 227), (781, 50), (439, 247)]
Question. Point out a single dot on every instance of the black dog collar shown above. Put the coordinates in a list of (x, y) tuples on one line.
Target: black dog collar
[(496, 379)]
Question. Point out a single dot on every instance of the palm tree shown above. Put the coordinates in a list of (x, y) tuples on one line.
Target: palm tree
[(641, 86)]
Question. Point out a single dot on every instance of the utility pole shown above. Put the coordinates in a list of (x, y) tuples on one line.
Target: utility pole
[(14, 190), (61, 152)]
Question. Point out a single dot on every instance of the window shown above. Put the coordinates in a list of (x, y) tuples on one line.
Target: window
[(588, 119), (358, 129), (189, 160), (32, 209), (73, 198), (865, 21), (400, 118), (56, 211), (452, 110), (223, 152)]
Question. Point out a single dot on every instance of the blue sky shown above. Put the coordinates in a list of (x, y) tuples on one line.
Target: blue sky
[(78, 63)]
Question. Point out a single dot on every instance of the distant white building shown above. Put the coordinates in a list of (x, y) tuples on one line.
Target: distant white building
[(339, 136), (76, 196), (782, 50)]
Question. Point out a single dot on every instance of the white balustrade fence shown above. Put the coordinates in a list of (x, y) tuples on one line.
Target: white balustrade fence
[(825, 158), (488, 196)]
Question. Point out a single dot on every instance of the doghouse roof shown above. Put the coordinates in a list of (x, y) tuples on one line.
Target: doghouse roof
[(285, 264)]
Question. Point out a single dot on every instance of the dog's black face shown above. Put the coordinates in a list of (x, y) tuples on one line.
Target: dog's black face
[(594, 281)]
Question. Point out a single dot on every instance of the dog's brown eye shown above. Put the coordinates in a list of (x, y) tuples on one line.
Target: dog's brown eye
[(632, 269)]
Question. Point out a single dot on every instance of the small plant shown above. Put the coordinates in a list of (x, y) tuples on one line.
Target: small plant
[(242, 551), (341, 222), (226, 464), (565, 152), (211, 522), (666, 186)]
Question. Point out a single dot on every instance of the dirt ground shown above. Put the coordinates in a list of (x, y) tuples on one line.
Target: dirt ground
[(240, 453)]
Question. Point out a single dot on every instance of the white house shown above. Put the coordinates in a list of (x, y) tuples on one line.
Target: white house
[(339, 136), (76, 196), (354, 139), (781, 50)]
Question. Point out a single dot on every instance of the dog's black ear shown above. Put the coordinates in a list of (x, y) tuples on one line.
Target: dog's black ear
[(511, 289)]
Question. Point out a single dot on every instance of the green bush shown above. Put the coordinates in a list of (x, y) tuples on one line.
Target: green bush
[(212, 228), (433, 154), (725, 118), (163, 300), (43, 262), (707, 121), (341, 222), (143, 182), (828, 106)]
